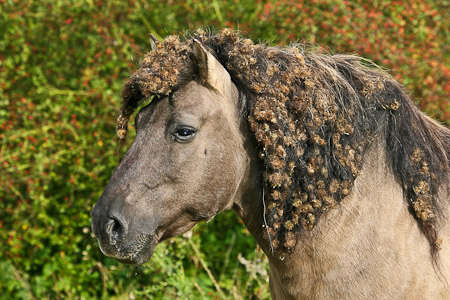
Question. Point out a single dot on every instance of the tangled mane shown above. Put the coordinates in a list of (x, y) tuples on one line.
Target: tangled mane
[(313, 116)]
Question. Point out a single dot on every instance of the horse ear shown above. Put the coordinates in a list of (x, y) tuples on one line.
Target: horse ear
[(153, 41), (211, 70)]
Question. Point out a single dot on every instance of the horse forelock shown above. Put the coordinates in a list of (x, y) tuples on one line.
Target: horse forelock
[(313, 116)]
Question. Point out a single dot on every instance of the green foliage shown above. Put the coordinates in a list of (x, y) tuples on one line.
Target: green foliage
[(62, 66)]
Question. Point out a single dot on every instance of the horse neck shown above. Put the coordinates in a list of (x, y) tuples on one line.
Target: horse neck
[(248, 202), (354, 244)]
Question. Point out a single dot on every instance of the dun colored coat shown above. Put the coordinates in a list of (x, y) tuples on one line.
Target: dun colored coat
[(341, 180)]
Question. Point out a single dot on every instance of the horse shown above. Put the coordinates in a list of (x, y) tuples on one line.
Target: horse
[(341, 180)]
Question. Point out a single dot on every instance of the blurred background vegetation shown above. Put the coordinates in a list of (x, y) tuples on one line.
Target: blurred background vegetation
[(62, 67)]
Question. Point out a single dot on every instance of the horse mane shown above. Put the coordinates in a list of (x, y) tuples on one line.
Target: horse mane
[(313, 117)]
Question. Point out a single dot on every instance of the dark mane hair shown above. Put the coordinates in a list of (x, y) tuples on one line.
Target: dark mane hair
[(313, 116)]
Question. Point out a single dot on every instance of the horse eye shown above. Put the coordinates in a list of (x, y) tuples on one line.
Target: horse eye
[(184, 134)]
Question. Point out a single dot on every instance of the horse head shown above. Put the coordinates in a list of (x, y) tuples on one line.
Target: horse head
[(187, 163)]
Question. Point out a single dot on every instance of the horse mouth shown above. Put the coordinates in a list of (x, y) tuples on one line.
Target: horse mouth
[(136, 252)]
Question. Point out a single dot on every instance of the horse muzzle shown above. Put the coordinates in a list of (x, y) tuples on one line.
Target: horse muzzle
[(117, 241)]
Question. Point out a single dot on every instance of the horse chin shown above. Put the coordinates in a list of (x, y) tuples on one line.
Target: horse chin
[(138, 258), (137, 252)]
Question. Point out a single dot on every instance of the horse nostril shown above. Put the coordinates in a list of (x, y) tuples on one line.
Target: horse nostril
[(116, 229)]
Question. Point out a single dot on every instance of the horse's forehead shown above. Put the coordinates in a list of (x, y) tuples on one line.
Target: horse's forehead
[(194, 96), (193, 99), (192, 88)]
